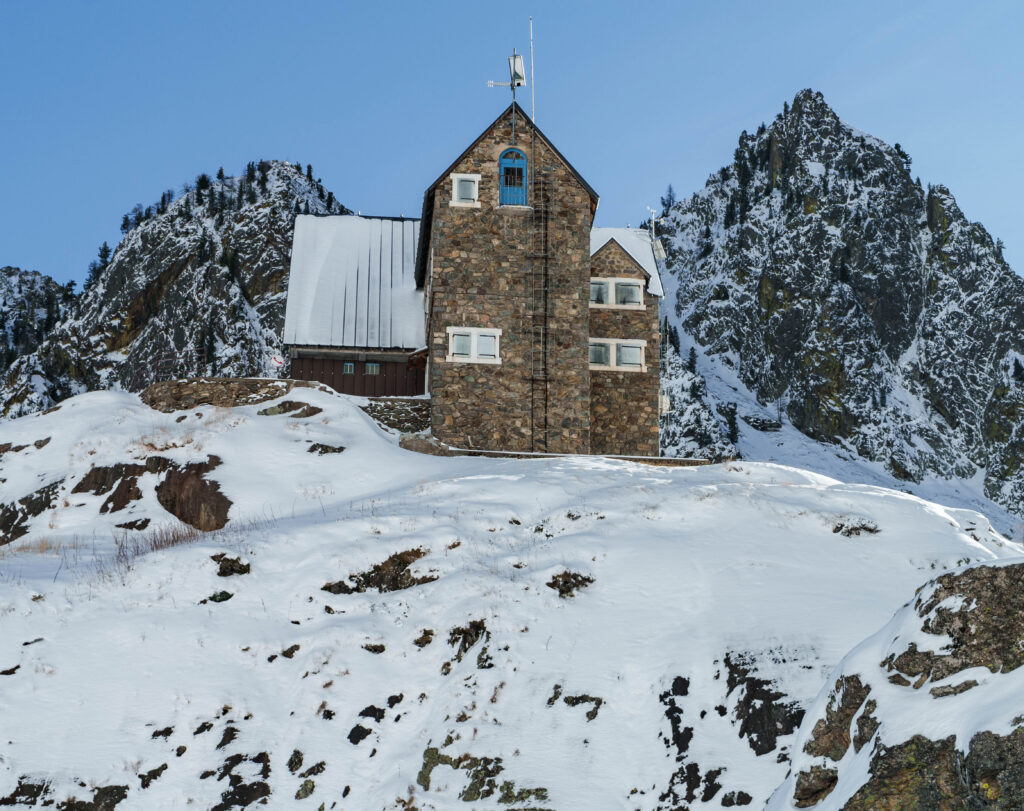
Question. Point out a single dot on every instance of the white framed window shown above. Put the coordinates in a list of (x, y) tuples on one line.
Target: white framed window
[(474, 345), (622, 294), (618, 354), (465, 191)]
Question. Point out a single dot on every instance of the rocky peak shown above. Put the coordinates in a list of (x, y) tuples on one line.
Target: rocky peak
[(864, 307), (196, 286)]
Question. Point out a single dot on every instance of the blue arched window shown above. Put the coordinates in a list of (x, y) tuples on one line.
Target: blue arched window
[(513, 178)]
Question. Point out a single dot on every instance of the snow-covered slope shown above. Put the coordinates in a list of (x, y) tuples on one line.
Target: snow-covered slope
[(197, 286), (403, 631), (820, 282)]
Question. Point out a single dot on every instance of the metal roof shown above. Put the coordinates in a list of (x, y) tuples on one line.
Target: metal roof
[(352, 283), (637, 243)]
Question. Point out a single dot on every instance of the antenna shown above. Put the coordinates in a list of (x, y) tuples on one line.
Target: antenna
[(533, 112), (517, 78), (659, 249)]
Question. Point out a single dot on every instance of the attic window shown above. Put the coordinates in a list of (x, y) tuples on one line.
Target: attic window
[(465, 191), (512, 166), (617, 293), (473, 345)]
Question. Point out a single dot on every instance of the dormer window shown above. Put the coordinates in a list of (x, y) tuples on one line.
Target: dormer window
[(512, 168), (465, 191)]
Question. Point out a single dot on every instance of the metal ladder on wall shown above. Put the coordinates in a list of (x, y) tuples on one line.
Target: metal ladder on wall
[(539, 260)]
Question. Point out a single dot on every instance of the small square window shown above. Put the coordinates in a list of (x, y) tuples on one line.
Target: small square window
[(373, 368), (629, 355), (461, 344), (600, 354), (599, 292), (466, 190), (348, 368), (628, 293), (486, 346)]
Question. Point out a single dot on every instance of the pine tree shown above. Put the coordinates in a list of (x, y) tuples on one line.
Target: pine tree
[(220, 173), (691, 361), (298, 208), (305, 208), (309, 172), (668, 201), (732, 424), (330, 202), (882, 399), (250, 173), (104, 254), (126, 224)]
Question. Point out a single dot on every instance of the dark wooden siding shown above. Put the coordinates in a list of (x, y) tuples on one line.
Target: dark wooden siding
[(396, 378)]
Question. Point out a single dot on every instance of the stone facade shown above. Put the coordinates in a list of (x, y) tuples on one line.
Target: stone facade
[(524, 270), (624, 405)]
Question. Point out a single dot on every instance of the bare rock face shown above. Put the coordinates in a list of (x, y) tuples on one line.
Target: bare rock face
[(977, 620), (864, 307), (225, 392), (196, 288), (191, 498)]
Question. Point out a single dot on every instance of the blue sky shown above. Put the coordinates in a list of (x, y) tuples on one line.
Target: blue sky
[(104, 105)]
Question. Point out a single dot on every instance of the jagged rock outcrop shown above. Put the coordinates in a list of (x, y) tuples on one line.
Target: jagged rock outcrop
[(197, 287), (864, 307), (924, 714), (31, 305)]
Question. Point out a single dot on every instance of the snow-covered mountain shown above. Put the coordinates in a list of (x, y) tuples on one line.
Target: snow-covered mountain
[(31, 305), (197, 286), (373, 628), (825, 289)]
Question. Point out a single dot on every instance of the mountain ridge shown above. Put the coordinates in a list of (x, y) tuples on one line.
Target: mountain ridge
[(859, 305)]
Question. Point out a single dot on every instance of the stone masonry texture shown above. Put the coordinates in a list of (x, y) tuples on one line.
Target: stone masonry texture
[(624, 405), (487, 268)]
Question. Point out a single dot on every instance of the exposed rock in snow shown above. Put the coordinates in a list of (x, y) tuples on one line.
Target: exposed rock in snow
[(384, 629), (926, 713)]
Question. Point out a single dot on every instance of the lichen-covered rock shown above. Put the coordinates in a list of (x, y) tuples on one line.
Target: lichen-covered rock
[(877, 739)]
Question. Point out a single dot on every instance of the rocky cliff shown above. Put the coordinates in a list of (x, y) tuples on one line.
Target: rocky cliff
[(31, 305), (197, 286), (926, 713), (822, 282)]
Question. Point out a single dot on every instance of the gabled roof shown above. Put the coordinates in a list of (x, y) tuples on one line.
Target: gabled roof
[(428, 196), (637, 243), (352, 283)]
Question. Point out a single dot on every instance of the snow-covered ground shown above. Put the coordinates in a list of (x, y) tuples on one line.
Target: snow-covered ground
[(719, 600)]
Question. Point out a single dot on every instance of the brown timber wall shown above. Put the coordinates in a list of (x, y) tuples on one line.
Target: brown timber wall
[(396, 378)]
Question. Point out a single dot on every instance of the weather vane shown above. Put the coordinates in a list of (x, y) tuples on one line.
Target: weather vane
[(517, 78)]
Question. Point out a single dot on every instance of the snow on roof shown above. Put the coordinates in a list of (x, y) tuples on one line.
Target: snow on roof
[(352, 283), (637, 243)]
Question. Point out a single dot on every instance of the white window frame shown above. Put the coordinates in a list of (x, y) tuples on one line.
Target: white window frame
[(455, 201), (474, 337), (612, 282), (613, 353)]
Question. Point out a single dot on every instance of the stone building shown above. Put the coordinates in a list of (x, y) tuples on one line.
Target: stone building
[(540, 333)]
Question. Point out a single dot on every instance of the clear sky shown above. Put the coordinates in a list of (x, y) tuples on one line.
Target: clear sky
[(104, 105)]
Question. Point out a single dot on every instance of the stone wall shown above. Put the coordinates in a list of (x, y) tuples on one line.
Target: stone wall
[(624, 405), (483, 270)]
